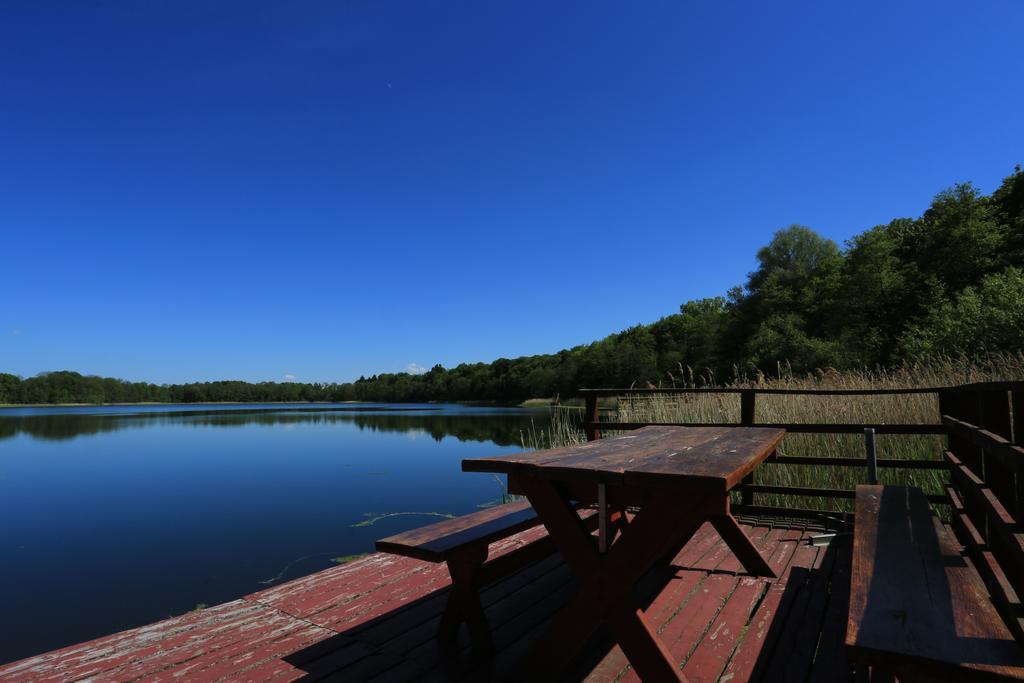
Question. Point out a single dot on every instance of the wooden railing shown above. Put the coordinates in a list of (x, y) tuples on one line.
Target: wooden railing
[(948, 397), (984, 424), (986, 491)]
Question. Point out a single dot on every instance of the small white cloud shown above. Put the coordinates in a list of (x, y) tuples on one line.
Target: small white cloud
[(289, 378), (16, 332), (415, 369)]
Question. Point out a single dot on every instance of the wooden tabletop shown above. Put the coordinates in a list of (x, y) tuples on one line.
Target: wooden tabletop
[(715, 457)]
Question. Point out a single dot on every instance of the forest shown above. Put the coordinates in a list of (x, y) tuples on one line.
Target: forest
[(948, 283)]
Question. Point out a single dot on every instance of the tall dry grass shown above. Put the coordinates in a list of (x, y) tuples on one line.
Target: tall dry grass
[(566, 423)]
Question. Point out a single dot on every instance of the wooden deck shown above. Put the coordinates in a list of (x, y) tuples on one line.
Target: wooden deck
[(375, 618)]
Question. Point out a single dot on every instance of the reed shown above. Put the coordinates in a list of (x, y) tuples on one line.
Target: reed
[(566, 423)]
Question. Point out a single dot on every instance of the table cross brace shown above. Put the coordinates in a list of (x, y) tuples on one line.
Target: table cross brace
[(605, 579)]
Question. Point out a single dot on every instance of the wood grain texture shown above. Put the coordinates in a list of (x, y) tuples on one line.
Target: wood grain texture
[(716, 458), (915, 604), (436, 542)]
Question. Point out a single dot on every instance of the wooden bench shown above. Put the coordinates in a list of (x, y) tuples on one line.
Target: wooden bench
[(462, 543), (918, 609)]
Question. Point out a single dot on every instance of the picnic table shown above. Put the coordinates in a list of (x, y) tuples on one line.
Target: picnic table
[(677, 478)]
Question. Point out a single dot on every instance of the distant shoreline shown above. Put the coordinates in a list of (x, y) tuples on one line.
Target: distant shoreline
[(174, 403), (529, 403)]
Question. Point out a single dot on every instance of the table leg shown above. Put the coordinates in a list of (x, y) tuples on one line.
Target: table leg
[(619, 522), (605, 581), (602, 519), (464, 602), (646, 653), (695, 524), (729, 529)]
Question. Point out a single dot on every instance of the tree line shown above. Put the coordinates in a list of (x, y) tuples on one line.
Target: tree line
[(471, 426), (950, 282)]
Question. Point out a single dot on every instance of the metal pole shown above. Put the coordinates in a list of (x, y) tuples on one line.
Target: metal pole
[(869, 443), (747, 418), (591, 413)]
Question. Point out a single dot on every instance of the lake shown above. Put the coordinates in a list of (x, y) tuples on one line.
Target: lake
[(114, 516)]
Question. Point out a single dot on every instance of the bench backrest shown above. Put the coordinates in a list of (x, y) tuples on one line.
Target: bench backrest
[(986, 460)]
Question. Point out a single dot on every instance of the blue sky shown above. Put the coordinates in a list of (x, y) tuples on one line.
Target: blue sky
[(210, 190)]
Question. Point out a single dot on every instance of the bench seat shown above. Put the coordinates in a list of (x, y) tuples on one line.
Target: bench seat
[(917, 606), (438, 541), (462, 543)]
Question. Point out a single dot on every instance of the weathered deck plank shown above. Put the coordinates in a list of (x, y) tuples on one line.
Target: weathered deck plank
[(375, 619), (715, 650), (201, 638), (767, 624)]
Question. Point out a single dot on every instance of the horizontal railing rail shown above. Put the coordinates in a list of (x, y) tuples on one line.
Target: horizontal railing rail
[(741, 390), (899, 463), (795, 427), (979, 386), (988, 387), (1001, 449), (986, 497)]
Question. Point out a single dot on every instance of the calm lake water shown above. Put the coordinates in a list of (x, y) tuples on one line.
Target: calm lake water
[(113, 517)]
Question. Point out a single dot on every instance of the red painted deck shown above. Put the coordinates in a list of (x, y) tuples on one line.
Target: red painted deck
[(374, 619)]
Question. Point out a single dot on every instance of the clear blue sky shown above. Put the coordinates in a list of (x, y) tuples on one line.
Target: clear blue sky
[(211, 190)]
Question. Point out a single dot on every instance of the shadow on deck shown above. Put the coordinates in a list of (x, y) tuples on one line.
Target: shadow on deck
[(375, 619)]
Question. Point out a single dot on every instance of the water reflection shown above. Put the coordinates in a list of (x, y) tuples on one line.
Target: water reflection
[(140, 512), (501, 426)]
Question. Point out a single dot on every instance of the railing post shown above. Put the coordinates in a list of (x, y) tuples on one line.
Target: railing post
[(747, 397), (747, 407), (590, 414), (971, 412), (951, 402), (869, 445), (995, 417)]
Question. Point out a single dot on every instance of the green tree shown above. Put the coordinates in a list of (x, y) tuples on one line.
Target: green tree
[(787, 300), (983, 319), (10, 386), (1008, 206), (958, 240), (874, 298)]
